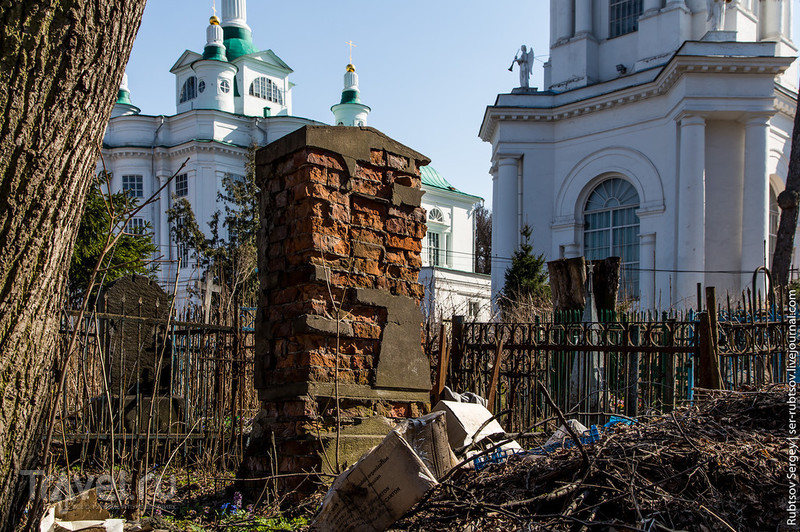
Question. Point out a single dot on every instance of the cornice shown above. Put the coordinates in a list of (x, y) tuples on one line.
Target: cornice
[(164, 152), (662, 84)]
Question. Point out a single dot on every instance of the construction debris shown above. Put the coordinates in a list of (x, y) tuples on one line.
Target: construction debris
[(719, 465), (378, 489), (83, 513)]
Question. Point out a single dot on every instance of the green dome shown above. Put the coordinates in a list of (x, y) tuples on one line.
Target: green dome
[(215, 53), (238, 42), (124, 97)]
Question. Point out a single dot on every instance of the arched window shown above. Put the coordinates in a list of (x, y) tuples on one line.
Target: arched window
[(189, 90), (265, 89), (774, 221), (436, 215), (611, 229)]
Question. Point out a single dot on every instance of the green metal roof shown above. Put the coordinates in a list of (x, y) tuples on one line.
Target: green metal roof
[(432, 178), (124, 97), (238, 42), (350, 96)]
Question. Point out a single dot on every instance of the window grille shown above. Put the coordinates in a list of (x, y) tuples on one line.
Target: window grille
[(182, 185), (623, 17), (133, 186), (266, 89), (611, 229), (189, 90)]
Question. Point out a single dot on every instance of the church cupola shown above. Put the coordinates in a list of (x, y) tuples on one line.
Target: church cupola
[(211, 81), (238, 38), (123, 106), (350, 111), (215, 49)]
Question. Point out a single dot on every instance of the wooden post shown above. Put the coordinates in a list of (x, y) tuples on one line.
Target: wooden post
[(568, 283), (709, 375), (498, 361), (441, 371), (457, 351)]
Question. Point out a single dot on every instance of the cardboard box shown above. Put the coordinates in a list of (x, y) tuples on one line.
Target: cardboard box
[(377, 490), (464, 420), (427, 436)]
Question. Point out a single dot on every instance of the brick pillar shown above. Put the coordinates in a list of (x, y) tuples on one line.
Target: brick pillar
[(341, 224)]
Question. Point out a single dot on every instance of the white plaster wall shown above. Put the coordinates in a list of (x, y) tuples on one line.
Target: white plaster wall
[(252, 106), (449, 293), (564, 159), (459, 226)]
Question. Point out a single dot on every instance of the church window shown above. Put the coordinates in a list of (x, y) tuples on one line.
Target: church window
[(137, 225), (225, 86), (266, 89), (611, 229), (774, 221), (623, 17), (133, 186), (435, 215), (182, 248), (189, 90), (201, 86), (435, 255), (182, 185)]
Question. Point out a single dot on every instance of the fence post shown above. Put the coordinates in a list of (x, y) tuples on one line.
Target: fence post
[(632, 392), (708, 374), (441, 371), (457, 351), (669, 372), (498, 361)]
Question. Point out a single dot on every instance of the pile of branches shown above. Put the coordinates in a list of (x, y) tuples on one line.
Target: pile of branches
[(719, 465)]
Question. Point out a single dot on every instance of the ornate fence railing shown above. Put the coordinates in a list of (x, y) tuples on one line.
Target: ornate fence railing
[(629, 365)]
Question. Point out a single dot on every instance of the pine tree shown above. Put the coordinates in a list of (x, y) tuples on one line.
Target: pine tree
[(526, 279), (130, 255)]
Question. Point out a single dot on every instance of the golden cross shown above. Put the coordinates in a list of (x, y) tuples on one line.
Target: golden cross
[(350, 43)]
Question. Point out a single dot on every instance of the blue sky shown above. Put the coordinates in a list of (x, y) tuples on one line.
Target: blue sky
[(428, 69)]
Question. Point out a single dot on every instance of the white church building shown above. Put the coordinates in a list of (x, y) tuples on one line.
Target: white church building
[(661, 135), (233, 97)]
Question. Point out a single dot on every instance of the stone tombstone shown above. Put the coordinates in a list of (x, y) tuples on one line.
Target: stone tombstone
[(341, 234), (133, 345)]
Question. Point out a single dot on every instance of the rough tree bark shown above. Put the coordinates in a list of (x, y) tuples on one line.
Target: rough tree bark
[(61, 62), (788, 202)]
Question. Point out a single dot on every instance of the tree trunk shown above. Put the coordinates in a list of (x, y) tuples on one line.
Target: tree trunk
[(568, 283), (788, 201), (605, 278), (61, 62)]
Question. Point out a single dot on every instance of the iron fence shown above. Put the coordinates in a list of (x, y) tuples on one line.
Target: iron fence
[(623, 364), (177, 383)]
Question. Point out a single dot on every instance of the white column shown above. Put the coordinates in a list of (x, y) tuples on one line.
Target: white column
[(755, 212), (769, 19), (583, 17), (647, 274), (234, 13), (164, 245), (564, 19), (651, 6), (505, 230), (691, 243)]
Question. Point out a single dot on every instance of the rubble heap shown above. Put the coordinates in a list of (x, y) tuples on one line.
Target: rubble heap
[(720, 465)]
